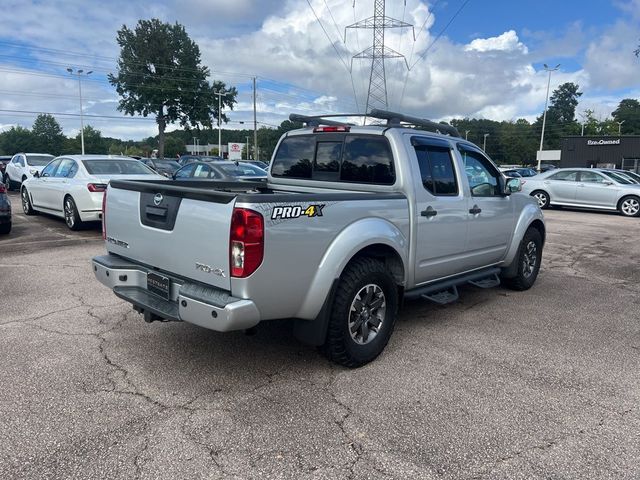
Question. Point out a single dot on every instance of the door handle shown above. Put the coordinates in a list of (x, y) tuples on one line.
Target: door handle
[(429, 212), (475, 210)]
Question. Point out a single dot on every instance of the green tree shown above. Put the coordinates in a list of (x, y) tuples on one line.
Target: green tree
[(628, 111), (560, 115), (160, 73), (172, 147), (17, 139), (93, 141), (47, 134)]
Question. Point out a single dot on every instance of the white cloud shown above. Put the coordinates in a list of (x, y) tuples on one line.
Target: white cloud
[(507, 42)]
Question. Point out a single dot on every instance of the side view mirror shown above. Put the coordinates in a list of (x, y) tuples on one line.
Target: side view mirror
[(607, 183), (513, 185), (36, 174)]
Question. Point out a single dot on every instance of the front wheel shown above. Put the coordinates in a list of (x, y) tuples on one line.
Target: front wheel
[(363, 313), (630, 206), (71, 216), (528, 259), (7, 182), (27, 208), (542, 198)]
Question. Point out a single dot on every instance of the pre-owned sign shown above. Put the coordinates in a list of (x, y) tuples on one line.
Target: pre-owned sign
[(602, 141)]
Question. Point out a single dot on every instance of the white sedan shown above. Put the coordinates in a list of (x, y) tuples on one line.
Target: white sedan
[(72, 186)]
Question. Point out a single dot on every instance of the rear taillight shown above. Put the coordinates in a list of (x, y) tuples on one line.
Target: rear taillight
[(246, 246), (96, 187), (104, 215), (3, 188)]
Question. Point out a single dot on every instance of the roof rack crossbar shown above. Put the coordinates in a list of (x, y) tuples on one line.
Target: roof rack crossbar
[(314, 121), (395, 119)]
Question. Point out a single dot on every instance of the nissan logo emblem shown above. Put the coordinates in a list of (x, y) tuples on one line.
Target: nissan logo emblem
[(157, 200)]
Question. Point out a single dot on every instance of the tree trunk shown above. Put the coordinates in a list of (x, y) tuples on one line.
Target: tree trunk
[(162, 124)]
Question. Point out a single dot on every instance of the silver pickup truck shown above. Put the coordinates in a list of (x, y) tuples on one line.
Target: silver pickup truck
[(352, 219)]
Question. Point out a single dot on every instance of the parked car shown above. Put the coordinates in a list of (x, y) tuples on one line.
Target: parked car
[(545, 167), (4, 159), (72, 186), (257, 163), (5, 210), (585, 187), (222, 170), (23, 166), (163, 166), (633, 176), (355, 218), (187, 159), (523, 172)]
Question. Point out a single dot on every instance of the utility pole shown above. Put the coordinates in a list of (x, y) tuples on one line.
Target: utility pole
[(220, 95), (255, 122), (79, 74), (484, 143), (544, 116), (377, 94), (247, 147)]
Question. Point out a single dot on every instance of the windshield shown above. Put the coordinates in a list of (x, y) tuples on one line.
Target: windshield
[(619, 178), (39, 160), (116, 167), (167, 164), (243, 170), (633, 176)]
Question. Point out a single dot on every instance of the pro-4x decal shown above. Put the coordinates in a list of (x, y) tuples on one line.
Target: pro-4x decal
[(296, 211)]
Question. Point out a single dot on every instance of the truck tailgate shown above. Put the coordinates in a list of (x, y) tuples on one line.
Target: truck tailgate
[(162, 228)]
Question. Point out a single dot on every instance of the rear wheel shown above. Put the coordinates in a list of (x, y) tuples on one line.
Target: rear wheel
[(363, 313), (528, 260), (542, 198), (71, 216), (629, 206), (5, 228), (27, 208)]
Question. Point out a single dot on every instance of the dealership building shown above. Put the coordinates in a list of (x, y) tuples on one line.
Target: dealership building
[(603, 152)]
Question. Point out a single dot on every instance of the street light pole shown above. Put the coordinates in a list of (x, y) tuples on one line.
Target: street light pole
[(484, 142), (79, 74), (247, 147), (620, 127), (220, 95), (544, 116), (466, 134)]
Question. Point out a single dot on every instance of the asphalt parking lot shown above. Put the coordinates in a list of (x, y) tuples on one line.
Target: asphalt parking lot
[(500, 385)]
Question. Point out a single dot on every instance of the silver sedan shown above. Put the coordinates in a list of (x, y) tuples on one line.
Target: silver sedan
[(587, 188)]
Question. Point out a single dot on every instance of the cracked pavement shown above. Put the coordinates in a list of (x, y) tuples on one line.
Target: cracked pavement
[(499, 385)]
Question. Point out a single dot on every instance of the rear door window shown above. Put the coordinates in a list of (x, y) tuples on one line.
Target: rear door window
[(67, 169), (436, 169)]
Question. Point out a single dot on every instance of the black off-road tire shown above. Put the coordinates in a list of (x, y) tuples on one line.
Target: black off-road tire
[(528, 267), (361, 276), (25, 199), (5, 228)]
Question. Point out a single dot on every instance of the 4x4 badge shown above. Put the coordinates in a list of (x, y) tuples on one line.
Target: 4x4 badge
[(297, 211)]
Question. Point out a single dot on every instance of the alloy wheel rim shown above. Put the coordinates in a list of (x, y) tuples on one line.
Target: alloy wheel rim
[(542, 199), (630, 206), (69, 213), (530, 259), (366, 314), (25, 201)]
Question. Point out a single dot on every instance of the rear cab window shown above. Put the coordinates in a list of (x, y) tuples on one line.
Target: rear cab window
[(346, 157)]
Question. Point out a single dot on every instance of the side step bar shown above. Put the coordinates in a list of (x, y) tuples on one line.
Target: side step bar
[(446, 291)]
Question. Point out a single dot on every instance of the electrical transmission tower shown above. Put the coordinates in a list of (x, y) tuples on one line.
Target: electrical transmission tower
[(377, 94)]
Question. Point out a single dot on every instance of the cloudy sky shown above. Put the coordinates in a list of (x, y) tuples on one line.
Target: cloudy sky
[(472, 58)]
